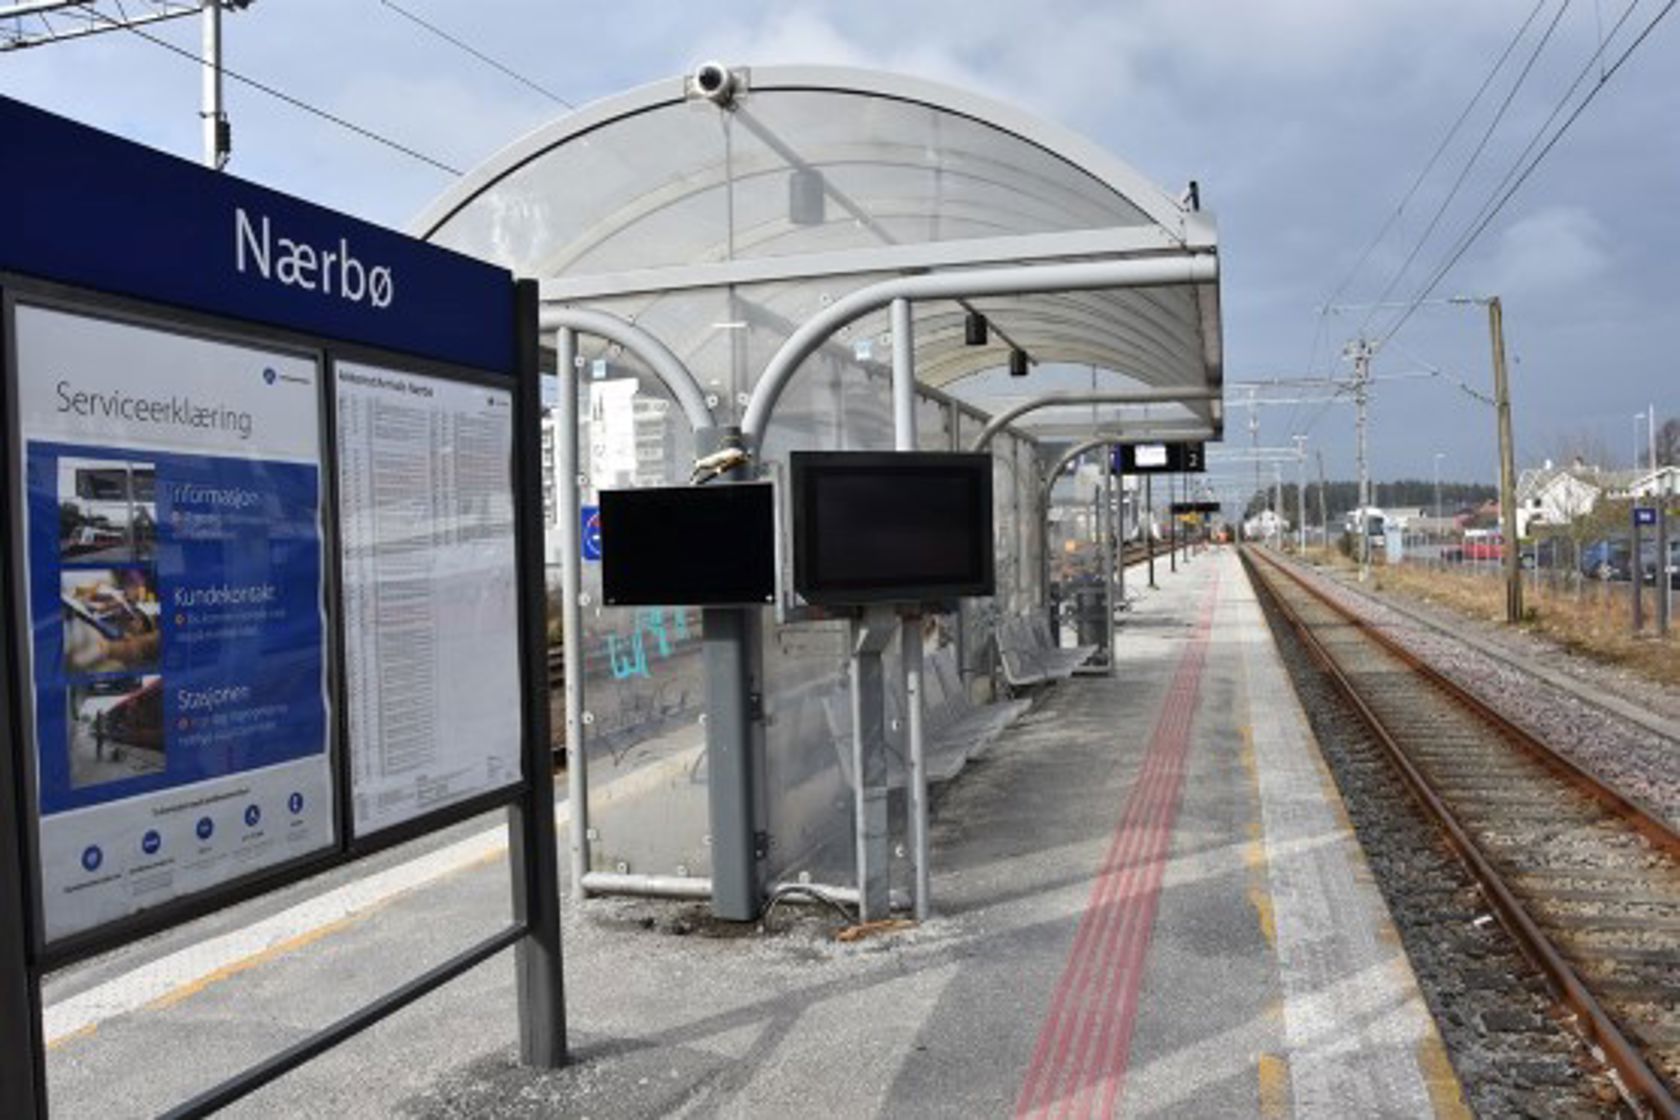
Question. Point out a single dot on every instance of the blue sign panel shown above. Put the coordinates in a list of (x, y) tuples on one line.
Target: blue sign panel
[(590, 536), (1644, 515), (83, 207)]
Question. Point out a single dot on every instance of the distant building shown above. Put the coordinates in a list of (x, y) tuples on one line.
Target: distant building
[(1663, 480), (1558, 495)]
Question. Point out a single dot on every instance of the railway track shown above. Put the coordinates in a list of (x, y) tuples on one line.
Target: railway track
[(1585, 879)]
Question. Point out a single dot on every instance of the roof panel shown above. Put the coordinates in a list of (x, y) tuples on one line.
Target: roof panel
[(815, 163)]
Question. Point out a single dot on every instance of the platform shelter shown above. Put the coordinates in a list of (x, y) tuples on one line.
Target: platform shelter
[(756, 260)]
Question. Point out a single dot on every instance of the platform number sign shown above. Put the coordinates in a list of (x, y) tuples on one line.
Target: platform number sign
[(590, 537), (1644, 515)]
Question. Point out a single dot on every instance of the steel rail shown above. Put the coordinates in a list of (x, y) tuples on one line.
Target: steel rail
[(1637, 1075), (1643, 817)]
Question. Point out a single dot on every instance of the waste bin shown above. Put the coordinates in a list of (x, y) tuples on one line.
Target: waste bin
[(1090, 614)]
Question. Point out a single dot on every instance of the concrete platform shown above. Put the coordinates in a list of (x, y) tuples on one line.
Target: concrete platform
[(1150, 903)]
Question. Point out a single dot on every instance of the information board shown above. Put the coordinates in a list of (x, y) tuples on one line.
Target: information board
[(1158, 458), (426, 514), (173, 567)]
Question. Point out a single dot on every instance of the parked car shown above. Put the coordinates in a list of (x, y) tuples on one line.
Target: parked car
[(1547, 552), (1648, 562), (1609, 559)]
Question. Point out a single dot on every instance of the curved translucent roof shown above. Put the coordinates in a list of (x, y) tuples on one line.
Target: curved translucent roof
[(722, 228)]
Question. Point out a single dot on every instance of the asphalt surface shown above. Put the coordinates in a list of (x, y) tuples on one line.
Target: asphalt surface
[(1148, 903)]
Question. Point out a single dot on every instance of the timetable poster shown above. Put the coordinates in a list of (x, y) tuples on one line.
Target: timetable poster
[(431, 599), (177, 639)]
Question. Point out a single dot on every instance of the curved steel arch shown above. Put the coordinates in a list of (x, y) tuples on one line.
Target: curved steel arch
[(1069, 146), (1050, 400)]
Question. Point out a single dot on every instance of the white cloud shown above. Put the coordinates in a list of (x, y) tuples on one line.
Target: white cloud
[(1550, 249)]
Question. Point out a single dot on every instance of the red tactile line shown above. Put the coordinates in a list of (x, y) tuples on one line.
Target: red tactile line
[(1080, 1059)]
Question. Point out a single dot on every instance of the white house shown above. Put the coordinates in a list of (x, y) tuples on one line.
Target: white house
[(1663, 480), (1557, 496)]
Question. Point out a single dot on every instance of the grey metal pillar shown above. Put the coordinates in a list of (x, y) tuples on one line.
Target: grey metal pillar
[(870, 636), (1665, 594), (1148, 521), (533, 850), (734, 708), (1172, 530), (212, 109), (910, 628), (1111, 553), (567, 479), (1120, 511), (1636, 572), (23, 1075)]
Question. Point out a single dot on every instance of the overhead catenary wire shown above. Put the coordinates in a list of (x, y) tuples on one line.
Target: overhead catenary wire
[(1469, 163), (494, 64), (1502, 194), (1434, 157), (1320, 333), (289, 99)]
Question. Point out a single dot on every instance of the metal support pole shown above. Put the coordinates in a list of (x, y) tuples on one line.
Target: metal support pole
[(1665, 595), (910, 646), (910, 634), (213, 112), (1110, 558), (1323, 505), (1120, 531), (1362, 395), (1507, 468), (23, 1073), (532, 846), (568, 478), (1172, 529), (870, 636), (1636, 569), (734, 704), (1149, 525)]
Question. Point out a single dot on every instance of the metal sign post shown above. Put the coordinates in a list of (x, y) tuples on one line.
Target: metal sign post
[(1665, 580), (1643, 516), (23, 1075)]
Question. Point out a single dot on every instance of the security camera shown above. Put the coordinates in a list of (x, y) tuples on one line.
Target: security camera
[(714, 82)]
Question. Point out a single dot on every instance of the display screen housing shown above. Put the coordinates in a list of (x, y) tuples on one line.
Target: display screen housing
[(689, 545), (1150, 454), (901, 526)]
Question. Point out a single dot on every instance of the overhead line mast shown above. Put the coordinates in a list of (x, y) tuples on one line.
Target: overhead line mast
[(39, 23)]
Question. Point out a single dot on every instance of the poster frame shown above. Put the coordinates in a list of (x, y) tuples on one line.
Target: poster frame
[(15, 290)]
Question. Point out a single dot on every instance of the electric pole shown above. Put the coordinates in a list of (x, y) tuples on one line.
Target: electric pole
[(1508, 470), (36, 23), (1323, 507), (1361, 352), (1300, 493), (218, 133), (1254, 444)]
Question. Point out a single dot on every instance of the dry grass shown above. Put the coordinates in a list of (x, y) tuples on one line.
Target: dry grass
[(1592, 621)]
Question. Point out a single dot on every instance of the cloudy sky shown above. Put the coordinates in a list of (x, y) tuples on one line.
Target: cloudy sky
[(1305, 122)]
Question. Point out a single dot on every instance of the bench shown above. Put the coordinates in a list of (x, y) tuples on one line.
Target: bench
[(1028, 657), (955, 728)]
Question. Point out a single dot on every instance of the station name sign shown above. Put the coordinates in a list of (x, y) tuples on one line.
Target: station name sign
[(1159, 458), (1205, 508), (89, 209)]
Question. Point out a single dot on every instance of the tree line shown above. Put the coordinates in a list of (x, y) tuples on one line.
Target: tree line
[(1342, 497)]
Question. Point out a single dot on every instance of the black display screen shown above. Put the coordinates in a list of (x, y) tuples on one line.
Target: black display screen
[(891, 526), (689, 545)]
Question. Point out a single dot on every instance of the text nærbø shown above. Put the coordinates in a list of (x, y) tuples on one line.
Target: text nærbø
[(298, 264)]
